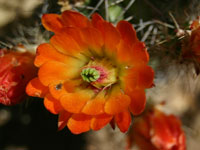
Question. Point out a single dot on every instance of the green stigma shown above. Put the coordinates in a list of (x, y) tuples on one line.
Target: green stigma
[(90, 74)]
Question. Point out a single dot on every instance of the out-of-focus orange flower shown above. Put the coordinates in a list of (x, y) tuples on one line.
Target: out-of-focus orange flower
[(157, 131), (91, 73), (16, 70), (191, 45)]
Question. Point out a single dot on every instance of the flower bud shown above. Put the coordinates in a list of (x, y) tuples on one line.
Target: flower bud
[(157, 131), (16, 69)]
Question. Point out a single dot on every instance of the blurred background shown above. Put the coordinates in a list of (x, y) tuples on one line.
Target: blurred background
[(29, 126)]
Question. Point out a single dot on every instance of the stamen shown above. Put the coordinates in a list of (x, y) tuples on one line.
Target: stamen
[(90, 74)]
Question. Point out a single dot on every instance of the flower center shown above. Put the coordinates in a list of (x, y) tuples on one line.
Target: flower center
[(90, 74), (99, 73)]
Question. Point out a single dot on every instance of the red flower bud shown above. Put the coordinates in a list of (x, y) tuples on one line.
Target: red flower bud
[(157, 131), (191, 44), (16, 69)]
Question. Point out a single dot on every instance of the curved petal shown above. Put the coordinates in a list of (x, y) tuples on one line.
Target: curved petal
[(127, 32), (75, 33), (86, 38), (174, 124), (92, 37), (53, 71), (138, 77), (52, 104), (138, 101), (36, 89), (110, 34), (140, 53), (117, 103), (123, 120), (100, 121), (134, 54), (79, 123), (52, 22), (182, 141), (95, 106), (130, 48), (162, 137), (96, 18), (63, 119), (143, 143), (74, 102), (74, 19), (141, 126), (65, 44), (46, 52)]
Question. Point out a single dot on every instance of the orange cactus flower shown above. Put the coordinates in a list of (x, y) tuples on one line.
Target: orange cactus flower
[(16, 70), (91, 73), (157, 131)]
